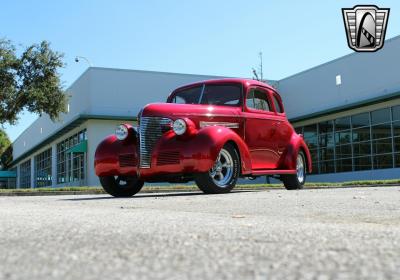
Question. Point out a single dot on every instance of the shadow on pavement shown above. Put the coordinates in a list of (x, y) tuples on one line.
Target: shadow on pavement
[(147, 195)]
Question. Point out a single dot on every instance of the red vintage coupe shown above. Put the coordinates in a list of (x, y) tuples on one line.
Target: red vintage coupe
[(212, 132)]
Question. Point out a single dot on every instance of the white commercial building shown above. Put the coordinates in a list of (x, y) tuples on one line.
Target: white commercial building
[(62, 153), (348, 110)]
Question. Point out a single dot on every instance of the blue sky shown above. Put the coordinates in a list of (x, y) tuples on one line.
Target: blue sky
[(200, 37)]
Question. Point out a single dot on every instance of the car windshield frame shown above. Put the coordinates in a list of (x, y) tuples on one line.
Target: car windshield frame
[(202, 91)]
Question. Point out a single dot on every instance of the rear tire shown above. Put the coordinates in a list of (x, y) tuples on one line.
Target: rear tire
[(296, 181), (222, 177), (121, 186)]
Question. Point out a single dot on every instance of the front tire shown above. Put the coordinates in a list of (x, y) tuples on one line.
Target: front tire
[(121, 186), (296, 181), (222, 177)]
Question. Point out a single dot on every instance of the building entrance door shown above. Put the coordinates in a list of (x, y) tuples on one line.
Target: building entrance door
[(77, 169)]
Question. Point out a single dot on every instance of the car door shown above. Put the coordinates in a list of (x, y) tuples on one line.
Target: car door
[(260, 128), (284, 129)]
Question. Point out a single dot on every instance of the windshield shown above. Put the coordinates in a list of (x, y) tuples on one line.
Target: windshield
[(218, 94)]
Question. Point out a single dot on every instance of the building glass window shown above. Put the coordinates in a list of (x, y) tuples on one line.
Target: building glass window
[(382, 146), (383, 161), (25, 174), (326, 166), (396, 128), (383, 130), (299, 130), (326, 147), (71, 166), (362, 163), (310, 136), (43, 169), (397, 160), (361, 134), (397, 145), (325, 127), (325, 140), (360, 120), (380, 116), (343, 151), (344, 165), (9, 182), (363, 141), (361, 149), (396, 113), (342, 124), (343, 137)]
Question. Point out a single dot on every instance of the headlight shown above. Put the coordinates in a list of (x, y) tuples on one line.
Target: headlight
[(121, 132), (179, 127)]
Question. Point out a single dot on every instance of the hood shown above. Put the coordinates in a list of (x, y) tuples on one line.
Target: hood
[(173, 111)]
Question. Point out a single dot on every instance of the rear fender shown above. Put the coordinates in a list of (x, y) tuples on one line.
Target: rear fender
[(289, 158)]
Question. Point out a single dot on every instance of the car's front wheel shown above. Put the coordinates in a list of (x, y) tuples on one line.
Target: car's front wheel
[(121, 186), (296, 181), (222, 177)]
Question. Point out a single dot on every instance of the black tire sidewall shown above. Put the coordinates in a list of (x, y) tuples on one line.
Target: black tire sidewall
[(111, 187), (291, 181)]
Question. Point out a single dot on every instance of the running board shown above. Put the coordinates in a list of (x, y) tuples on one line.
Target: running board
[(272, 172)]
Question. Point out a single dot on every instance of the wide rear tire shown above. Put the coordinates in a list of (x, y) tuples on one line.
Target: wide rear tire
[(222, 177), (121, 186), (296, 181)]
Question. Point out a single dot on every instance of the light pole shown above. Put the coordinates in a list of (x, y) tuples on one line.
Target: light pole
[(84, 58), (261, 66)]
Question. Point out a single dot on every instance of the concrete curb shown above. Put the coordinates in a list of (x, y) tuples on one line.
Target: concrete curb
[(170, 190)]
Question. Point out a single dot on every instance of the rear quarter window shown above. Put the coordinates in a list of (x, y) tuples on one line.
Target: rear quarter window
[(277, 104)]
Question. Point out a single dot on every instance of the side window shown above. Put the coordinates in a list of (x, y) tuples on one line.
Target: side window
[(178, 100), (278, 106), (258, 100), (250, 99)]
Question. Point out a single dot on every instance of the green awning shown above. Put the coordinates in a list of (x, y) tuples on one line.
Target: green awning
[(8, 174), (79, 148)]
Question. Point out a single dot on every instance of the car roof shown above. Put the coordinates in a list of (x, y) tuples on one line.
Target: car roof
[(245, 82)]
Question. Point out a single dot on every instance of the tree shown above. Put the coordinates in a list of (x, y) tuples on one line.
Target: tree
[(5, 149), (30, 81)]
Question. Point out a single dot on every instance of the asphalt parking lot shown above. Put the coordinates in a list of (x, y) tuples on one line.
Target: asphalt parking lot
[(351, 233)]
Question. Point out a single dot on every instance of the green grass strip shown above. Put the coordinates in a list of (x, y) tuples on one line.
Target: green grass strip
[(193, 187)]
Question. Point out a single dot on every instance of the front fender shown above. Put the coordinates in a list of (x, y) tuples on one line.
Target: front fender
[(296, 144), (218, 136), (116, 157)]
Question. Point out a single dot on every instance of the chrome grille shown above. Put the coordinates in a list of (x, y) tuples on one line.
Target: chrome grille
[(150, 131)]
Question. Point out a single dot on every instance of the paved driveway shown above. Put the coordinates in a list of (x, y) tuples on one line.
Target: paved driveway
[(349, 233)]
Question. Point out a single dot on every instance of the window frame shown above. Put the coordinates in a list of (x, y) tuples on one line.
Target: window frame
[(277, 97), (43, 166), (203, 86), (254, 110)]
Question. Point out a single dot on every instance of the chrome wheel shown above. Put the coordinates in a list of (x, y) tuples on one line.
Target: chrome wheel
[(300, 168), (222, 171)]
